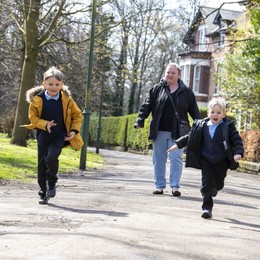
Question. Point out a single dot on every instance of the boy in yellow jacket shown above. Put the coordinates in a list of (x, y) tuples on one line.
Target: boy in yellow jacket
[(57, 118)]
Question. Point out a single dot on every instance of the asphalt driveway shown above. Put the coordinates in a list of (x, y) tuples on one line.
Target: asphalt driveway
[(112, 214)]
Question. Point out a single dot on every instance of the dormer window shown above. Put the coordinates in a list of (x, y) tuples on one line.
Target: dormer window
[(223, 25)]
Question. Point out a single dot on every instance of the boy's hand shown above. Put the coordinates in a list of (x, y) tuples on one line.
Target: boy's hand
[(174, 147), (49, 125), (237, 157), (70, 136)]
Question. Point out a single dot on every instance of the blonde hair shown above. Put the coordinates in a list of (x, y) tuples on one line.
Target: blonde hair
[(53, 72), (221, 102), (173, 64)]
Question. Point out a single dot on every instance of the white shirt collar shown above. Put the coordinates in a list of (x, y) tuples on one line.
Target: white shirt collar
[(48, 97), (209, 123)]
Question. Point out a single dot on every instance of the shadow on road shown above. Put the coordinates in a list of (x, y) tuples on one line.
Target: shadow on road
[(84, 211)]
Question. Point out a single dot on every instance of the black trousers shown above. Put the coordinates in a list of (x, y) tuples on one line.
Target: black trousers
[(48, 163), (213, 176)]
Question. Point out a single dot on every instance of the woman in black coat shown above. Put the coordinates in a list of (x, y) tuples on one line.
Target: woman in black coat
[(164, 125)]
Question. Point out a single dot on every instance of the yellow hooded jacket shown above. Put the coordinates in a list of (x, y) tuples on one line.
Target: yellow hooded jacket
[(72, 115)]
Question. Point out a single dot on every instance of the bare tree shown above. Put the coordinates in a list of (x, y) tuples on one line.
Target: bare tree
[(145, 29), (145, 37), (11, 50), (41, 22), (123, 14)]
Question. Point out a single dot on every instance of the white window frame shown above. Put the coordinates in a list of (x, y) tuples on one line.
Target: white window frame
[(196, 79), (185, 73), (218, 85)]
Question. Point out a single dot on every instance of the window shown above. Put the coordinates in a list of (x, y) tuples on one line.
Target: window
[(202, 38), (185, 72), (182, 73), (217, 87), (222, 39), (196, 80)]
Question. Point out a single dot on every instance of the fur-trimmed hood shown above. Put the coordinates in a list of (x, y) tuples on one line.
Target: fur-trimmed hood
[(36, 90)]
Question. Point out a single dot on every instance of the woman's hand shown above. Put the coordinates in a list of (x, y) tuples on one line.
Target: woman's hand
[(136, 125)]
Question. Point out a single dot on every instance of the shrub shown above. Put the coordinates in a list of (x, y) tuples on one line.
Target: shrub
[(7, 122), (251, 141)]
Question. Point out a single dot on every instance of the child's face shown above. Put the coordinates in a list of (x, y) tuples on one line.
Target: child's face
[(53, 86), (216, 114)]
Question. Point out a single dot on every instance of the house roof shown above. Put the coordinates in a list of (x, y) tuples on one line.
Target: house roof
[(229, 15), (210, 17)]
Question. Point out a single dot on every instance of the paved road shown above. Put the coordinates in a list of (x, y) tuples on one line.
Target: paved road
[(112, 214)]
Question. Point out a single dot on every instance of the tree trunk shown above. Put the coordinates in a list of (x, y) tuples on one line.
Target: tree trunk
[(31, 15), (136, 64), (121, 76)]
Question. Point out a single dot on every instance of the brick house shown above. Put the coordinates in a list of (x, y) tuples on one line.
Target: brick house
[(208, 42)]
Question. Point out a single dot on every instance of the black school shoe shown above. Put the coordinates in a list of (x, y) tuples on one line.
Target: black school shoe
[(206, 213), (176, 193), (51, 193), (43, 198), (158, 191), (51, 190)]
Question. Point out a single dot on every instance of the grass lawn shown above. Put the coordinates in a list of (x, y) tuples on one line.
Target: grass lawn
[(20, 163)]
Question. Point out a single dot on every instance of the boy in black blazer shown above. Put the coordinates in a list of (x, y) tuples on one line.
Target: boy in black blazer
[(213, 145)]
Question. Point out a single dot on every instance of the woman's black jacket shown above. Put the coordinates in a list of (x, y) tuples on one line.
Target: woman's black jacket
[(232, 142), (186, 103)]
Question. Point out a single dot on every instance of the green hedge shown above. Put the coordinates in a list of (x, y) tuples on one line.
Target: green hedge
[(137, 138), (119, 131), (113, 130)]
